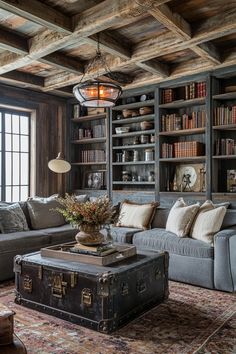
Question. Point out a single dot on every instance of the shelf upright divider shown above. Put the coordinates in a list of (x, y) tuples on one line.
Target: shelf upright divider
[(208, 136), (157, 142)]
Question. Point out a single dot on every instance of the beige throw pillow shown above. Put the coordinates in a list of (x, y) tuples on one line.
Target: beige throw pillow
[(208, 222), (43, 214), (136, 215), (180, 217)]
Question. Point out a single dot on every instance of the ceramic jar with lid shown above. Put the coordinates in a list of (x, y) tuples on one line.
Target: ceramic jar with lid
[(149, 154), (144, 139), (126, 176)]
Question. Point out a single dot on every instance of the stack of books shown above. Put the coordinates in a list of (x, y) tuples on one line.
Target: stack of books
[(100, 250), (183, 149), (93, 156), (168, 95), (225, 115), (225, 147), (171, 122)]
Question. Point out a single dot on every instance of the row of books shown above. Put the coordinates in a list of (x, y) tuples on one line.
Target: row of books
[(170, 122), (98, 131), (225, 115), (182, 149), (225, 147), (93, 156), (187, 92)]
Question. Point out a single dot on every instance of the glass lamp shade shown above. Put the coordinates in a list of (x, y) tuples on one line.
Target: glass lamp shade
[(59, 165), (97, 93)]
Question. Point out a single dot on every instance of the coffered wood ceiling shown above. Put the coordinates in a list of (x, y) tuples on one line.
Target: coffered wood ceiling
[(46, 44)]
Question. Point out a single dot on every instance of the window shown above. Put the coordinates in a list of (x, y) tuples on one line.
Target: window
[(14, 155)]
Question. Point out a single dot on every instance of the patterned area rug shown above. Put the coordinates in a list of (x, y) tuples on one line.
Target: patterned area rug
[(193, 320)]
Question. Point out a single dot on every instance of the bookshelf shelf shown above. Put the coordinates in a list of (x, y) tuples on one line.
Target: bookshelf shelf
[(134, 119), (133, 105), (225, 96), (89, 141), (184, 103), (88, 163), (225, 127), (229, 157), (134, 163), (178, 193), (89, 118), (184, 132), (138, 132), (184, 159), (133, 183), (132, 147)]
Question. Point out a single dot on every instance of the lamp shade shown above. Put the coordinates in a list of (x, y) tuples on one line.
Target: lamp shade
[(94, 93), (59, 165)]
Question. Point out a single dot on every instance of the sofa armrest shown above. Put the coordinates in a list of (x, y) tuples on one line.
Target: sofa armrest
[(225, 260)]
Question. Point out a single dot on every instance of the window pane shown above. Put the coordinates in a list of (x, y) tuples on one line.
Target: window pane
[(24, 143), (0, 141), (0, 121), (24, 168), (8, 194), (16, 172), (16, 142), (16, 194), (24, 125), (8, 168), (8, 142), (15, 123), (24, 193), (7, 123)]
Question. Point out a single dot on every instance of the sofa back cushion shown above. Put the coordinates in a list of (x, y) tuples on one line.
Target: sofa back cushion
[(160, 218), (136, 215), (12, 218), (43, 214), (207, 222), (181, 217), (229, 219)]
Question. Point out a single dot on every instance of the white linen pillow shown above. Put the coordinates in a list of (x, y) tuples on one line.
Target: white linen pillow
[(136, 215), (208, 222), (180, 217)]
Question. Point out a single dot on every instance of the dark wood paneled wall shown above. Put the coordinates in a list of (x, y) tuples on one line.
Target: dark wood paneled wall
[(51, 127)]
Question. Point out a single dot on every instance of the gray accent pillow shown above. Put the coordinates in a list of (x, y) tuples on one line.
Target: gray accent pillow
[(12, 219), (42, 213), (82, 198)]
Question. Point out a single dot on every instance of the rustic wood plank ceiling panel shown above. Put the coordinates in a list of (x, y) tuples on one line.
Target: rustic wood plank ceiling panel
[(149, 40)]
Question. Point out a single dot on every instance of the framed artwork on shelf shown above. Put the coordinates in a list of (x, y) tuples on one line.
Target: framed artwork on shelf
[(231, 181), (94, 179), (190, 178)]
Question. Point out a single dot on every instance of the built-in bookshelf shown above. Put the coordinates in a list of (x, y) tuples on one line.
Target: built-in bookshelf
[(162, 141), (133, 144), (224, 135), (89, 148)]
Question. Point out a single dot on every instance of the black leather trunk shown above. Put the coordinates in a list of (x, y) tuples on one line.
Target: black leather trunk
[(100, 298)]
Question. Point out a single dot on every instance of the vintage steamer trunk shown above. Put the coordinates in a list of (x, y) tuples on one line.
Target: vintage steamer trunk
[(100, 298)]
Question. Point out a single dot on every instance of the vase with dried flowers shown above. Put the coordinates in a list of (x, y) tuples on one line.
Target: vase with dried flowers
[(89, 217)]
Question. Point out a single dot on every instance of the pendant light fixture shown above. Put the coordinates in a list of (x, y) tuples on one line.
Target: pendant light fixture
[(97, 93), (59, 165)]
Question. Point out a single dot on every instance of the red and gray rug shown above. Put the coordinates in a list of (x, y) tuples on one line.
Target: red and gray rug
[(193, 320)]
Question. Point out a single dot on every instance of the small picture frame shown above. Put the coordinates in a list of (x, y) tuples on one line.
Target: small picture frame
[(231, 181), (94, 180)]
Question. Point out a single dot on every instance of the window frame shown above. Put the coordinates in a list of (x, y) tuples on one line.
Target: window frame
[(3, 112)]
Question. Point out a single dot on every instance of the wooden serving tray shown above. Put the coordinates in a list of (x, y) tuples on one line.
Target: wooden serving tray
[(62, 251)]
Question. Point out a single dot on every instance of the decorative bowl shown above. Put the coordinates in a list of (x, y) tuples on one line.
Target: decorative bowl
[(127, 113), (146, 125), (121, 130), (145, 110)]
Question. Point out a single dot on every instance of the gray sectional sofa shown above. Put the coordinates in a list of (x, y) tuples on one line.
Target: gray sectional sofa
[(23, 242), (191, 261)]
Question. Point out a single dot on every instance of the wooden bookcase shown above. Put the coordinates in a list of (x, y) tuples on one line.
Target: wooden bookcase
[(125, 151), (89, 151)]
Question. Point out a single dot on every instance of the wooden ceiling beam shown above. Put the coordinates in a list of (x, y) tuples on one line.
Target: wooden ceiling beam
[(154, 67), (29, 80), (110, 13), (181, 28), (40, 13), (61, 62), (173, 21), (13, 42)]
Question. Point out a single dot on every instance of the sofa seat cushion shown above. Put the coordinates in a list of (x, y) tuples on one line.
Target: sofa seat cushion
[(61, 234), (123, 234), (22, 242), (162, 240)]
